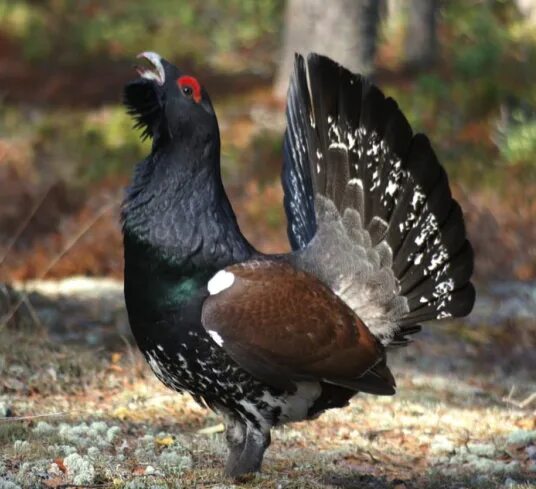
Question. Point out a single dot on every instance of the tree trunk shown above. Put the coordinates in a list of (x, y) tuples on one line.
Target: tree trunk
[(344, 30), (421, 34), (528, 10)]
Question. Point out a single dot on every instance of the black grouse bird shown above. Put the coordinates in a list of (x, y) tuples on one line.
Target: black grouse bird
[(379, 245)]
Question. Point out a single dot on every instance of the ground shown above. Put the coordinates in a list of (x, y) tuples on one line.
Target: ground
[(76, 415)]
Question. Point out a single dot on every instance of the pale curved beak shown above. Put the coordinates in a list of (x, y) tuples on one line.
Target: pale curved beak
[(156, 73)]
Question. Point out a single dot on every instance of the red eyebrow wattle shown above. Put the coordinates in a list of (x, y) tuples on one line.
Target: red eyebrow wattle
[(190, 81)]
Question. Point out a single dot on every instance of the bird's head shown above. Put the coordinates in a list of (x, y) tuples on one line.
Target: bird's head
[(167, 103)]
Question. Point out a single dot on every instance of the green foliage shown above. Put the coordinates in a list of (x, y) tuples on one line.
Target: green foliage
[(488, 61), (110, 144), (518, 144), (488, 56), (77, 145), (73, 30), (484, 41)]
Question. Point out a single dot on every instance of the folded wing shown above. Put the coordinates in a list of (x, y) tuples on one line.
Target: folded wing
[(283, 325)]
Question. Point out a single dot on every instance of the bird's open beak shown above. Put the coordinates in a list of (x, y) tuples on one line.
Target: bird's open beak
[(156, 72)]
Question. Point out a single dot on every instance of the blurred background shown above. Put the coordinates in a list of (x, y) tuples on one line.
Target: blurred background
[(463, 72)]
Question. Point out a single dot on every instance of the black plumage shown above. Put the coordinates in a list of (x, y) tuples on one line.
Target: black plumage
[(378, 246)]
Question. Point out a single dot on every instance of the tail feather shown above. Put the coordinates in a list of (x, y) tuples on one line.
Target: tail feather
[(400, 338), (456, 304), (388, 237), (438, 258)]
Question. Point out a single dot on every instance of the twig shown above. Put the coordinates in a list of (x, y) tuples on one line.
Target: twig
[(130, 352), (24, 299), (85, 486), (83, 230), (372, 457), (13, 419), (521, 404), (510, 394), (211, 430), (31, 310), (526, 402), (23, 225)]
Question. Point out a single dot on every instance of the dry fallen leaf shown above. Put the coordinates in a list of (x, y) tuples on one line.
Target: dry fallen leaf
[(54, 482), (210, 430), (121, 412), (59, 462), (166, 441), (527, 423)]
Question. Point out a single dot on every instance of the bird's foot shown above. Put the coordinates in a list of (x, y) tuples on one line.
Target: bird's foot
[(251, 454), (236, 439)]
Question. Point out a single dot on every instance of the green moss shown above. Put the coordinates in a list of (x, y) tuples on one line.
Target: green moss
[(9, 432)]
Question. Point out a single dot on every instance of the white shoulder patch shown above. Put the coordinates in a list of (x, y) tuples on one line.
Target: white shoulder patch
[(215, 337), (221, 281)]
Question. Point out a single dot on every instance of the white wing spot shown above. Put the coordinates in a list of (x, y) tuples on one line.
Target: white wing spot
[(355, 181), (215, 337), (221, 281)]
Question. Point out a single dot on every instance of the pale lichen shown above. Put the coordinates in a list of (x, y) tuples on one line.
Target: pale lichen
[(112, 433), (21, 447), (171, 459), (5, 484), (79, 469), (44, 429), (482, 449), (521, 437)]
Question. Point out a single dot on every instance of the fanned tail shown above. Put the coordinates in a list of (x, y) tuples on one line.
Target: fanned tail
[(369, 206)]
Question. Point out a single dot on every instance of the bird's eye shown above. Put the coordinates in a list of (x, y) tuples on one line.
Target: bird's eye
[(190, 88)]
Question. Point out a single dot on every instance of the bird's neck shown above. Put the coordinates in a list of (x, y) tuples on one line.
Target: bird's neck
[(176, 216)]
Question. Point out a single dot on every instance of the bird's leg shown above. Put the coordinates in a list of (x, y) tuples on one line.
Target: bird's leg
[(235, 434), (257, 441)]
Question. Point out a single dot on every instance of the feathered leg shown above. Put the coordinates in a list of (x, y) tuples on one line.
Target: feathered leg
[(236, 439), (256, 443)]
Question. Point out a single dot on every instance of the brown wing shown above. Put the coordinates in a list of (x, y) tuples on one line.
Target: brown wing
[(282, 325)]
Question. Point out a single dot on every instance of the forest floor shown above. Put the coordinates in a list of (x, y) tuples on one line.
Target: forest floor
[(79, 407)]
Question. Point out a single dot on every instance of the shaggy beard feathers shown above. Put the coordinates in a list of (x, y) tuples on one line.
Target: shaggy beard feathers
[(143, 105)]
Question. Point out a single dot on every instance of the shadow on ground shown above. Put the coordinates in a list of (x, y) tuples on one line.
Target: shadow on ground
[(78, 406)]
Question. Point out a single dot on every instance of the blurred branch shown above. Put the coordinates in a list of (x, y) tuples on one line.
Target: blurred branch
[(13, 419), (519, 404), (70, 244), (23, 225)]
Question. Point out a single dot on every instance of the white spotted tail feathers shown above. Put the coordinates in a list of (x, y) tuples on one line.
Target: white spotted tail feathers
[(369, 207)]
